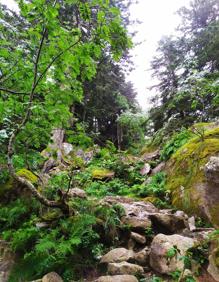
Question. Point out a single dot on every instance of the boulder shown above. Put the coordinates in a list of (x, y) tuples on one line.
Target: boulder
[(193, 176), (149, 156), (138, 238), (158, 168), (52, 277), (117, 255), (117, 278), (125, 268), (137, 223), (77, 193), (67, 148), (160, 246), (168, 223), (102, 173), (142, 257)]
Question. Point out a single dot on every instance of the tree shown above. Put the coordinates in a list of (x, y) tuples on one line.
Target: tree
[(187, 68), (44, 63)]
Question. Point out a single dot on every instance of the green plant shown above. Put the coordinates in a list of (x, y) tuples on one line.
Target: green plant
[(155, 187), (176, 141), (172, 252), (176, 275)]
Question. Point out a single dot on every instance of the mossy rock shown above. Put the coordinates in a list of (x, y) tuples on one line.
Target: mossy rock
[(28, 175), (102, 173), (185, 174)]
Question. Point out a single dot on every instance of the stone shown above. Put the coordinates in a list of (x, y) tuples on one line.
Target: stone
[(138, 238), (77, 193), (158, 168), (213, 267), (160, 246), (102, 173), (142, 257), (67, 148), (125, 268), (117, 255), (117, 278), (52, 277), (42, 225), (212, 169), (145, 169), (168, 223), (191, 223), (137, 224), (151, 156)]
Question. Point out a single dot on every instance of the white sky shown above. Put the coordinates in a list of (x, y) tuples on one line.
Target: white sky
[(158, 18)]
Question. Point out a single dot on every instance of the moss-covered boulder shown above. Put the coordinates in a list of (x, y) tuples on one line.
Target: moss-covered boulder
[(102, 173), (190, 188)]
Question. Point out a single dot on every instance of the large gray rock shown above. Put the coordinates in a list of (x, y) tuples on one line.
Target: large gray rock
[(170, 223), (52, 277), (117, 278), (125, 268), (160, 246), (136, 213), (136, 223), (117, 255)]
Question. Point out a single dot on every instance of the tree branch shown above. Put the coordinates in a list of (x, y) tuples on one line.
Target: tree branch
[(55, 59), (55, 204), (12, 91)]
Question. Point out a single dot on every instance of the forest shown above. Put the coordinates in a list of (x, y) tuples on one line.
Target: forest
[(92, 187)]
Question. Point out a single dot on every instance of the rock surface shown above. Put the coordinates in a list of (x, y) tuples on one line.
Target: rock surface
[(125, 268), (77, 192), (138, 238), (145, 169), (52, 277), (160, 246), (117, 255), (213, 267), (117, 278), (196, 192)]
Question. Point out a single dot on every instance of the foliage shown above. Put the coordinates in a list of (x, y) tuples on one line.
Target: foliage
[(61, 244), (132, 126), (187, 69), (176, 141)]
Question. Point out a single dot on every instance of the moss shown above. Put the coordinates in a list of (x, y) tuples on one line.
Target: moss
[(6, 187), (186, 170), (214, 211), (25, 173), (102, 173)]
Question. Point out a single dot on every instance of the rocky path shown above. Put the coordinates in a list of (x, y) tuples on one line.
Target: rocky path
[(155, 244)]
